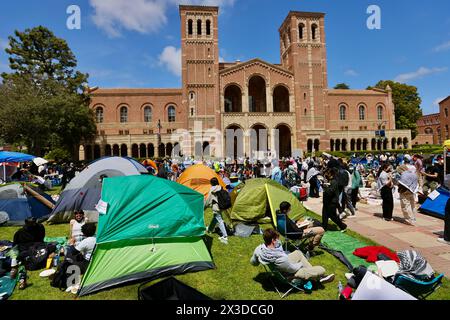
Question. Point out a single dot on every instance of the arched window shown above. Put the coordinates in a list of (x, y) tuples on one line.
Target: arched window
[(380, 112), (148, 114), (171, 114), (314, 31), (342, 113), (362, 113), (123, 114), (446, 112), (190, 27), (301, 31), (99, 115), (199, 27), (429, 131), (208, 27)]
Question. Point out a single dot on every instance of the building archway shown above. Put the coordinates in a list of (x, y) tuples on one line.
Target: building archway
[(399, 143), (365, 144), (352, 145), (142, 151), (257, 94), (233, 99), (379, 145), (88, 153), (405, 143), (337, 145), (284, 138), (162, 150), (123, 150), (316, 145), (309, 146), (258, 139), (97, 153), (108, 150), (374, 144), (358, 145), (206, 148), (116, 150), (331, 145), (385, 144), (393, 143), (281, 99), (234, 142), (169, 149), (135, 151), (150, 150), (344, 145)]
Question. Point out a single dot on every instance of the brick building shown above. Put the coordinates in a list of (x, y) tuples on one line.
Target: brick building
[(444, 107), (287, 106), (429, 130)]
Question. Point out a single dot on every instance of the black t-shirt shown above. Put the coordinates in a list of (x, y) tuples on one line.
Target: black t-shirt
[(432, 170), (439, 168)]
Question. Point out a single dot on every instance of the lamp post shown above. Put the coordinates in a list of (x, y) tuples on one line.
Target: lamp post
[(158, 136)]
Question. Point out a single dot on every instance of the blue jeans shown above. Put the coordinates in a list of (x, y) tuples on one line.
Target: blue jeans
[(217, 219)]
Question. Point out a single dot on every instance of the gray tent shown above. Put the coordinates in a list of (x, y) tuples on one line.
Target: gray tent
[(83, 192)]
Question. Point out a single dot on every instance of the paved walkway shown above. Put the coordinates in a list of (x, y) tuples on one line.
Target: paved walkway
[(396, 235)]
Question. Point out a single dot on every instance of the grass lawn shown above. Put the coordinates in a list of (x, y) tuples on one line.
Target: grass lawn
[(233, 279)]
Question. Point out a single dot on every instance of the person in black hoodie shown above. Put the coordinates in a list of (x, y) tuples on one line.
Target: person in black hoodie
[(30, 233), (331, 200)]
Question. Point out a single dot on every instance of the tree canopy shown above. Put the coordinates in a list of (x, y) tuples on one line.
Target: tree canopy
[(42, 102), (407, 103), (342, 86)]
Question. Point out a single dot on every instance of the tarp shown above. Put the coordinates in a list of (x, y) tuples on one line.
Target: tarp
[(197, 177), (260, 198), (152, 230), (8, 156), (436, 207), (83, 191), (346, 244), (20, 205)]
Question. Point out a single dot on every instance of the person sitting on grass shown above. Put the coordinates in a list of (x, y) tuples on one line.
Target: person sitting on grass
[(81, 253), (293, 264), (76, 235), (302, 229)]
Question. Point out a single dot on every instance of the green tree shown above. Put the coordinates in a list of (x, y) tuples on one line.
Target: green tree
[(407, 103), (42, 101), (342, 86)]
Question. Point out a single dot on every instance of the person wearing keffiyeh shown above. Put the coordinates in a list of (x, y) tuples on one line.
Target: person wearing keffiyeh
[(413, 265), (407, 188)]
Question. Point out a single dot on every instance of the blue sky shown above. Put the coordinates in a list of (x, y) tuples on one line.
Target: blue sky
[(135, 43)]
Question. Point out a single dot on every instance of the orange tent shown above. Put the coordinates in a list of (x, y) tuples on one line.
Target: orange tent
[(197, 177), (151, 163)]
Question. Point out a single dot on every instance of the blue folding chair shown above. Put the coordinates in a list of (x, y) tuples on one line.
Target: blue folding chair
[(419, 289), (290, 237)]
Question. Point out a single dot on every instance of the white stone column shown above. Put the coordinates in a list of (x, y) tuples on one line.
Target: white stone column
[(245, 106), (269, 99)]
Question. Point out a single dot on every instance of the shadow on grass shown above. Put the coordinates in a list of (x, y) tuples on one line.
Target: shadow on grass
[(208, 240)]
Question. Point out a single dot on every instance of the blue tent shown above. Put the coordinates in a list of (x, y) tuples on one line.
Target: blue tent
[(436, 207), (7, 156), (19, 205)]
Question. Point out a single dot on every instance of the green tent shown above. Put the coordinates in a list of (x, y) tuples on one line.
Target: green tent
[(259, 199), (152, 228)]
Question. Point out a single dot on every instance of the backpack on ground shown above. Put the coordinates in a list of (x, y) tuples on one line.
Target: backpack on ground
[(223, 199), (60, 277), (36, 256)]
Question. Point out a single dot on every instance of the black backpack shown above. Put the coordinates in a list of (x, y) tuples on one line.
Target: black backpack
[(223, 199), (36, 256), (59, 279), (343, 178)]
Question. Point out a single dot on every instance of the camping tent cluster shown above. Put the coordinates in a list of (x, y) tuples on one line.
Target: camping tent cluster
[(197, 177), (83, 191), (19, 202)]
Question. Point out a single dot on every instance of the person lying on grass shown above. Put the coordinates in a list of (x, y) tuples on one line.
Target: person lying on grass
[(294, 264)]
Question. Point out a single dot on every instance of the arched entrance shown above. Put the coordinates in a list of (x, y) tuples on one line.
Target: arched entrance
[(116, 150), (332, 145), (162, 150), (142, 151), (88, 153), (97, 154), (281, 99), (108, 150), (234, 142), (258, 140), (285, 145), (365, 144), (150, 150), (352, 145), (309, 146), (393, 143), (338, 145), (123, 150), (257, 94), (358, 145), (233, 99), (135, 151), (344, 145), (169, 149), (316, 145), (374, 144)]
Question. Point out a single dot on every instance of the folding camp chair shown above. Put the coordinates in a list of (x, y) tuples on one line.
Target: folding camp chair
[(291, 282), (282, 229), (417, 288)]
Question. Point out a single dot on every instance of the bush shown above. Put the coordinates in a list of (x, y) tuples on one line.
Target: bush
[(58, 154)]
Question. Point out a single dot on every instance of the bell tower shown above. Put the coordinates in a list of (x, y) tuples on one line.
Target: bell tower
[(303, 52), (200, 65)]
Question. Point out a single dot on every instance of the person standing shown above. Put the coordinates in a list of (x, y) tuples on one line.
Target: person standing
[(385, 185), (407, 187), (356, 183), (213, 202), (331, 200), (417, 160)]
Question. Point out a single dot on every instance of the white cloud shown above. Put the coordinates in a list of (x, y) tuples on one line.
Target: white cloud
[(443, 47), (351, 73), (221, 59), (171, 59), (143, 16), (436, 102), (420, 73)]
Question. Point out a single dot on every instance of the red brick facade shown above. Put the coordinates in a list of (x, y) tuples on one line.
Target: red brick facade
[(429, 130), (290, 102)]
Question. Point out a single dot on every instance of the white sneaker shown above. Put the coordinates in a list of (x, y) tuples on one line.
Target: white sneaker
[(348, 276), (224, 240), (327, 279), (342, 216), (443, 241)]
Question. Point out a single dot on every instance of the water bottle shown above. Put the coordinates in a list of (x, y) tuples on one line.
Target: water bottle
[(56, 257), (340, 288)]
